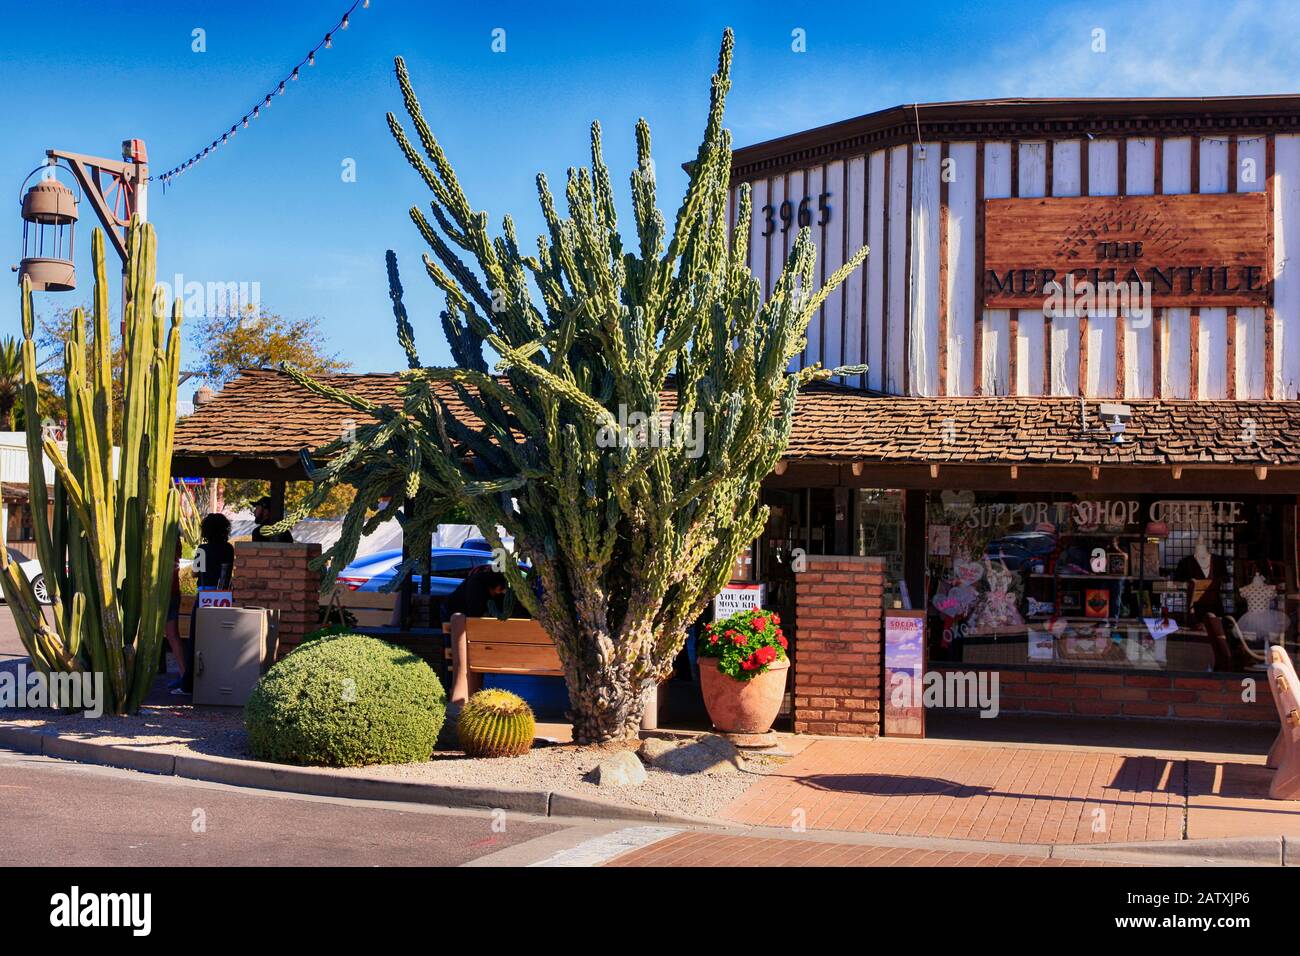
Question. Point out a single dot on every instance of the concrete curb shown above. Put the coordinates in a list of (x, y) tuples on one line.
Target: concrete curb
[(314, 781), (1234, 851)]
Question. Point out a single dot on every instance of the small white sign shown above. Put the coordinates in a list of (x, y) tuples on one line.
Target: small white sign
[(213, 598), (738, 597)]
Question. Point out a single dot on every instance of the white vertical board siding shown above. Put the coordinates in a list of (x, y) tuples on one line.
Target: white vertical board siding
[(1066, 177), (833, 247), (776, 241), (1141, 166), (851, 204), (1176, 349), (1250, 164), (794, 190), (811, 189), (1214, 165), (1102, 352), (1177, 353), (1177, 171), (961, 270), (997, 322), (758, 244), (1029, 342), (876, 269), (896, 307), (1286, 281), (1250, 370), (1103, 167), (1212, 346), (1139, 356), (923, 271), (1250, 353), (1067, 180)]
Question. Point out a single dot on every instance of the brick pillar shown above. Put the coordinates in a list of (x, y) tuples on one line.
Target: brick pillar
[(279, 576), (839, 645)]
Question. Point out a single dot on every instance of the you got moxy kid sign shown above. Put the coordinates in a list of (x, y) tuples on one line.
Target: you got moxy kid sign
[(1185, 250)]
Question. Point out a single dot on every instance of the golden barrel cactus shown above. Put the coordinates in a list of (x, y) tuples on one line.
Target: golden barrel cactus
[(495, 723)]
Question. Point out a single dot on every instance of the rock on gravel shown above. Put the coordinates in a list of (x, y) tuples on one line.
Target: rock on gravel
[(621, 770), (709, 754)]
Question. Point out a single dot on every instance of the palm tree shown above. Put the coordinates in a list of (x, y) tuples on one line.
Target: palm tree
[(11, 380)]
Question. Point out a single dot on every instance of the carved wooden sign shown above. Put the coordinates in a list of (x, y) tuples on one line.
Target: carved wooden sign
[(1184, 250)]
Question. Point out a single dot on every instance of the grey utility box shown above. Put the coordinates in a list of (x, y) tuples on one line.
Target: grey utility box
[(233, 646)]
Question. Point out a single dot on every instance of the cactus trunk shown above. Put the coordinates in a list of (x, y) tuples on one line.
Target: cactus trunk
[(112, 540)]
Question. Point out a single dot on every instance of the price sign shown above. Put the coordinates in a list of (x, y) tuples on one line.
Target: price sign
[(214, 598)]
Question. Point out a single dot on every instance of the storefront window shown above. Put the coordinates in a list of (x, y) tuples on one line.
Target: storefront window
[(1130, 581), (878, 531)]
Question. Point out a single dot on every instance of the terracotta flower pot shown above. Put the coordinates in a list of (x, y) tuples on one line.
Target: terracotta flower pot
[(743, 706)]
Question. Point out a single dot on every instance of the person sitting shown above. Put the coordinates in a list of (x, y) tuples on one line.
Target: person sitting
[(472, 595), (267, 512)]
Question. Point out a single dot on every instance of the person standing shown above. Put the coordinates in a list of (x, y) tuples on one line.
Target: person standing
[(214, 560), (267, 512)]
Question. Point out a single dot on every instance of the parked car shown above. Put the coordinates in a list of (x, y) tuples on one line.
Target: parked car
[(1021, 548), (449, 567), (32, 568)]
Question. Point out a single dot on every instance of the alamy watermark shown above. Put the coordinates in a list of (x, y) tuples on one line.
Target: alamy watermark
[(212, 298), (1081, 297), (639, 430), (958, 689), (83, 691)]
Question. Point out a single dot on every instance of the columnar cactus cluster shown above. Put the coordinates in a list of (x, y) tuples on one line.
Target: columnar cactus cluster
[(630, 530), (108, 544)]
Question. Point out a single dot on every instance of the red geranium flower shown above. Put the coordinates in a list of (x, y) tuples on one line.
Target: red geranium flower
[(776, 618), (781, 638), (760, 623), (713, 638), (765, 655)]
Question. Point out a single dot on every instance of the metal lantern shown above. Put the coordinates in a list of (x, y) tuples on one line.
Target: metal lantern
[(49, 222)]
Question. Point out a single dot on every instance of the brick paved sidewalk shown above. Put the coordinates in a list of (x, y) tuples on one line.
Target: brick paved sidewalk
[(1015, 794), (704, 848)]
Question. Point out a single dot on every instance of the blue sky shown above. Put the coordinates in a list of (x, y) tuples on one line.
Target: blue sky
[(273, 208)]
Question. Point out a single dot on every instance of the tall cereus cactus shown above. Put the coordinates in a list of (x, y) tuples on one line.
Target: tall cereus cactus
[(108, 544), (631, 527)]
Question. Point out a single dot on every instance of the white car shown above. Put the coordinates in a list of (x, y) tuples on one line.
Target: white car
[(32, 568)]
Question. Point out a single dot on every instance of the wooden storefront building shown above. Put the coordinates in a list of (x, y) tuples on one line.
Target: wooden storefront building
[(1075, 447)]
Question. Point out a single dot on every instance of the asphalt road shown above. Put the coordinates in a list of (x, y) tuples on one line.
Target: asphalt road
[(10, 646), (60, 813)]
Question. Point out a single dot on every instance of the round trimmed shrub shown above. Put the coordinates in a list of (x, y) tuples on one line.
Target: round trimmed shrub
[(346, 701), (495, 723)]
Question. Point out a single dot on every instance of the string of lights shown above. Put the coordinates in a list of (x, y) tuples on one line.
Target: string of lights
[(264, 103)]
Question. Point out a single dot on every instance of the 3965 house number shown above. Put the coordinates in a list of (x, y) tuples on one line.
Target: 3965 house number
[(802, 215)]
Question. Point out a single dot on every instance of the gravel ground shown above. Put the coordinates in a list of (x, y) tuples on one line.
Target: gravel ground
[(559, 768)]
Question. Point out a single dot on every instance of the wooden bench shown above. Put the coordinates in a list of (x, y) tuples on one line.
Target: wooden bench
[(488, 645), (1284, 756)]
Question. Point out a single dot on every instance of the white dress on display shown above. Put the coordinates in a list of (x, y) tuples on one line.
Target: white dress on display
[(1261, 620)]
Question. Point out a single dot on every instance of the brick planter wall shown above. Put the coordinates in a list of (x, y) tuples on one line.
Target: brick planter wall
[(839, 646), (1135, 694), (279, 576)]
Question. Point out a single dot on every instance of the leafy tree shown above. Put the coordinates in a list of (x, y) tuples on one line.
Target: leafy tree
[(11, 380), (631, 534), (240, 493), (224, 343)]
